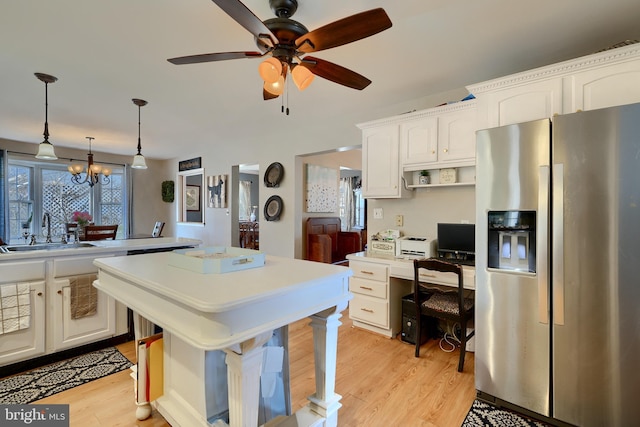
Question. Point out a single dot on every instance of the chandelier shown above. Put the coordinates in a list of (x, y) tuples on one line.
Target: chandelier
[(94, 174)]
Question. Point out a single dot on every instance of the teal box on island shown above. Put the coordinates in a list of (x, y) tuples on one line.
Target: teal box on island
[(217, 260)]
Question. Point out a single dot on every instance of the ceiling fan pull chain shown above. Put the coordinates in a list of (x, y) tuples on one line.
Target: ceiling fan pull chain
[(287, 89)]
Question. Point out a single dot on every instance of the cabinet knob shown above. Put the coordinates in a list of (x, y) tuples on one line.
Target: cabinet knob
[(445, 150), (39, 294), (59, 292)]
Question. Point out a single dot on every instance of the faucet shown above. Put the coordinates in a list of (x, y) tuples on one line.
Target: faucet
[(47, 219)]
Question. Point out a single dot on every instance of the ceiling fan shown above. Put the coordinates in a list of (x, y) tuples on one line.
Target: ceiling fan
[(287, 42)]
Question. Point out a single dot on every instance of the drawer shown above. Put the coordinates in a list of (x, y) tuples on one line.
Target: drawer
[(368, 287), (369, 270), (22, 271), (369, 310), (450, 279)]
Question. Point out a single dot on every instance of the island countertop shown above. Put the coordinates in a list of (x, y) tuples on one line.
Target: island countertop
[(211, 311)]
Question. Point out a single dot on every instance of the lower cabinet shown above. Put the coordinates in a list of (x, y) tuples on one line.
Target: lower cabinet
[(23, 340), (376, 303), (28, 342), (79, 314)]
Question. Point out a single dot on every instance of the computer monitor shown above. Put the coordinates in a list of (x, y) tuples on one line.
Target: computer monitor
[(456, 239)]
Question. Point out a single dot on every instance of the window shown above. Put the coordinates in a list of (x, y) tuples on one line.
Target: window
[(38, 187)]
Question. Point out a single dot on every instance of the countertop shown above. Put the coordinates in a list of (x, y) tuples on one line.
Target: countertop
[(102, 246), (402, 268)]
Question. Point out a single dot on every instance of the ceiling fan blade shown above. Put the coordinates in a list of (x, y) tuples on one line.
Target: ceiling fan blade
[(210, 57), (343, 31), (335, 73), (243, 16)]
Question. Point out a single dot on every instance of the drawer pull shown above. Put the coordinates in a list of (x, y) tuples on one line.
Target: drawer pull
[(428, 275), (368, 310), (366, 272), (366, 288)]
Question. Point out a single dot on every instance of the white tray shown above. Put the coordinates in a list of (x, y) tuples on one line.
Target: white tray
[(216, 259)]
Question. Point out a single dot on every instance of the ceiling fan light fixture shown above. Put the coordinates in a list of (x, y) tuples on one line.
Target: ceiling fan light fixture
[(275, 88), (302, 77), (270, 70)]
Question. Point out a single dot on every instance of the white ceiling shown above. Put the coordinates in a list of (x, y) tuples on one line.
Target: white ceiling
[(107, 52)]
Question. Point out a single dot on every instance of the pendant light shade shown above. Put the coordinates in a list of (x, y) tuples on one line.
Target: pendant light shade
[(302, 77), (270, 70), (138, 160), (45, 149), (275, 88)]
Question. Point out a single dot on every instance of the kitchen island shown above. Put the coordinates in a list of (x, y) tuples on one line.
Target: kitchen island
[(237, 313)]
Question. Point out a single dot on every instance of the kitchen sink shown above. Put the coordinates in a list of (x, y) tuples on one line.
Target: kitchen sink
[(43, 247)]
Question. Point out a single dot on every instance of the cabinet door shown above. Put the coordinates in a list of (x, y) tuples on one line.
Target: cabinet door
[(457, 136), (533, 101), (380, 162), (71, 332), (29, 342), (419, 141), (605, 87)]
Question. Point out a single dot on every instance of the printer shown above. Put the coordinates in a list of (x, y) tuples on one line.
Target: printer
[(411, 247)]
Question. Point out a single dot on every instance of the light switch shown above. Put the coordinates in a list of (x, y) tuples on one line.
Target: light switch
[(399, 220), (377, 213)]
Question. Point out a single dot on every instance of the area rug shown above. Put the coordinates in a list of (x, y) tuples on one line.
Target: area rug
[(483, 414), (51, 379)]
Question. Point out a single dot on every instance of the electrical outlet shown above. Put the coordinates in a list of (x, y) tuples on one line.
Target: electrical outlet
[(377, 213), (399, 220)]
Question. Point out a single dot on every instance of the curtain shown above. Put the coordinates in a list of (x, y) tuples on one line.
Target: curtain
[(4, 204), (348, 217), (244, 202)]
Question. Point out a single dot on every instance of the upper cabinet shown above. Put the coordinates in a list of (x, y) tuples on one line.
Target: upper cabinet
[(595, 81), (380, 163), (441, 137)]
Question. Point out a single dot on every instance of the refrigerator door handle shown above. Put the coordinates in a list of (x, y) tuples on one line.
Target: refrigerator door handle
[(542, 245), (558, 244)]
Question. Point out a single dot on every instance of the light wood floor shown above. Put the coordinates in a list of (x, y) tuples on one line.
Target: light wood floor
[(380, 381)]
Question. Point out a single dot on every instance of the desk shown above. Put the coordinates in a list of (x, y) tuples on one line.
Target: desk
[(378, 284), (235, 312)]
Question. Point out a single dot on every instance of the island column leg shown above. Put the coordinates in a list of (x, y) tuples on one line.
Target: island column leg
[(244, 365), (325, 401)]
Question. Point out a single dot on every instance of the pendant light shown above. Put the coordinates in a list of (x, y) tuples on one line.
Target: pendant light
[(45, 149), (138, 159)]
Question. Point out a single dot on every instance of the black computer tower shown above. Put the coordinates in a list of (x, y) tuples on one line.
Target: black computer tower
[(409, 328)]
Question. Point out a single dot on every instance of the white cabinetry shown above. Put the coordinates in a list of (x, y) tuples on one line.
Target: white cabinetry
[(600, 80), (441, 137), (376, 303), (68, 331), (380, 162), (29, 342)]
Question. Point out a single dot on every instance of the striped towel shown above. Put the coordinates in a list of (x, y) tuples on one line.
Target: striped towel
[(15, 307), (84, 297)]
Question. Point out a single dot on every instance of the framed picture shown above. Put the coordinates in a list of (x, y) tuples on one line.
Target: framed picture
[(217, 191), (322, 189), (192, 197)]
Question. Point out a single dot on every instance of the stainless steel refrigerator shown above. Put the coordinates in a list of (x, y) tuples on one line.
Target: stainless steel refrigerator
[(558, 267)]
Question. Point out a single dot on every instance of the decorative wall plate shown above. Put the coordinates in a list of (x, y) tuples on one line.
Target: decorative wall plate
[(273, 175), (273, 208)]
